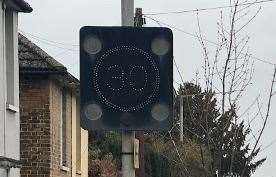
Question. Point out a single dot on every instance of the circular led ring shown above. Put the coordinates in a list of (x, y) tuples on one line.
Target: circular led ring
[(96, 81)]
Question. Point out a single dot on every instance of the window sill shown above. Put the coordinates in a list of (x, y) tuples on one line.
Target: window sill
[(63, 168), (7, 163), (12, 108), (78, 172)]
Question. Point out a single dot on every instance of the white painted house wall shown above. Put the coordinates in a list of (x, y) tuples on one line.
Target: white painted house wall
[(9, 90), (2, 90)]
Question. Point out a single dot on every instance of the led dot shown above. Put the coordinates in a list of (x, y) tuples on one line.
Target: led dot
[(160, 112), (93, 112), (160, 46), (92, 44)]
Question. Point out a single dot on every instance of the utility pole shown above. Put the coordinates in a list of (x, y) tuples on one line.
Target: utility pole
[(139, 21), (181, 117), (127, 12), (128, 137)]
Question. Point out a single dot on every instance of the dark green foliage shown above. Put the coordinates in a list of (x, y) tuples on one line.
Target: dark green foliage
[(223, 135), (211, 139), (105, 143), (104, 154), (167, 159), (155, 163)]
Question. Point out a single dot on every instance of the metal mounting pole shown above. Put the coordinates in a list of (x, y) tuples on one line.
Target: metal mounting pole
[(139, 21), (128, 137), (128, 169), (181, 118)]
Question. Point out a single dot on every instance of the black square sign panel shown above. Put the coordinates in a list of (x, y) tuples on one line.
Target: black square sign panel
[(126, 77)]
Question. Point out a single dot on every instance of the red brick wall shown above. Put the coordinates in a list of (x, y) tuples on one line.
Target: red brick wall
[(35, 126), (40, 116)]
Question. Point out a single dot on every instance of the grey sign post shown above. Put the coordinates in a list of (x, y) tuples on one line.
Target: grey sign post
[(128, 137)]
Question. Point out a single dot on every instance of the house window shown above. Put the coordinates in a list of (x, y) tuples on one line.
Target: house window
[(11, 50), (63, 145)]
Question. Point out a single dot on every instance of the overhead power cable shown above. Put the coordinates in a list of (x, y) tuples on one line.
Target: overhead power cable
[(63, 49), (47, 40), (208, 9), (54, 45), (179, 73), (269, 145), (177, 68), (207, 40)]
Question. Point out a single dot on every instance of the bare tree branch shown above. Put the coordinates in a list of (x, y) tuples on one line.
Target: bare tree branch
[(264, 123)]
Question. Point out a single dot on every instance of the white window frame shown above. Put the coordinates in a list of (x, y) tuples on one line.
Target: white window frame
[(10, 44)]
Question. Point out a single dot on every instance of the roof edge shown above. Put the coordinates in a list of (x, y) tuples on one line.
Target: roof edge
[(18, 5), (64, 77), (22, 40)]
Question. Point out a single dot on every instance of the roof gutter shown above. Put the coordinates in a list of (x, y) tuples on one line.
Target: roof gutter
[(56, 70), (7, 163), (18, 5), (65, 77)]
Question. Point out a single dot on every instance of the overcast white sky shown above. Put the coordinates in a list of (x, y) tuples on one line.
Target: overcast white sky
[(61, 20)]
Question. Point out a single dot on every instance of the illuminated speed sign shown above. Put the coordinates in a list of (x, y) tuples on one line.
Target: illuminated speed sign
[(126, 78)]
